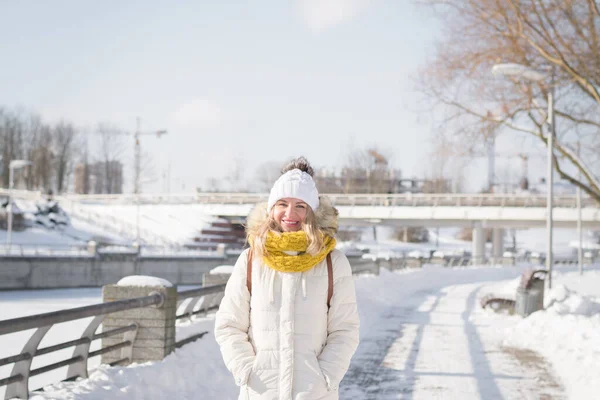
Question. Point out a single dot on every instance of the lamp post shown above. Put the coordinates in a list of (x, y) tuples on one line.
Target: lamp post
[(14, 164), (579, 228), (527, 73)]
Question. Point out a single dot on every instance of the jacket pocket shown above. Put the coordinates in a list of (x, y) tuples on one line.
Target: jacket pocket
[(323, 376)]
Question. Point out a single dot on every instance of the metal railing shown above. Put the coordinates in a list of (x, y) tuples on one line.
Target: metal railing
[(43, 250), (83, 250), (405, 199), (201, 301)]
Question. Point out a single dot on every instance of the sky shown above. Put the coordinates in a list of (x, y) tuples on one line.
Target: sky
[(235, 84)]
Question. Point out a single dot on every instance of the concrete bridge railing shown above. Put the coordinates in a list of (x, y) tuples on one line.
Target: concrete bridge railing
[(408, 199)]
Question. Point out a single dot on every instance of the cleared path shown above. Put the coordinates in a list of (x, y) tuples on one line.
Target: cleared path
[(437, 343)]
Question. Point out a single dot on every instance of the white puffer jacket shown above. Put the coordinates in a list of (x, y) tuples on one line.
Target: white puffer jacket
[(282, 342)]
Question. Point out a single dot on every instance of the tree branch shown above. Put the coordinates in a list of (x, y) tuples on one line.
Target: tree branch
[(594, 5), (595, 195), (577, 120)]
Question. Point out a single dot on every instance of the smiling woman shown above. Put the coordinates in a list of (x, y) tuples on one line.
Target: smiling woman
[(292, 288), (290, 213)]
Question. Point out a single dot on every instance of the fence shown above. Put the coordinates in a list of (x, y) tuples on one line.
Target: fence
[(408, 199), (127, 324)]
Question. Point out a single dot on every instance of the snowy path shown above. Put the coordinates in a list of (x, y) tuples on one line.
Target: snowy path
[(435, 344)]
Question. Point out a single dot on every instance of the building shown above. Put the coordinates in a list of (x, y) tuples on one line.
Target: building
[(99, 178)]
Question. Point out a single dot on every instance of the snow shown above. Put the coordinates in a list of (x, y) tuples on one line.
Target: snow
[(221, 269), (166, 224), (143, 280), (566, 333), (422, 332)]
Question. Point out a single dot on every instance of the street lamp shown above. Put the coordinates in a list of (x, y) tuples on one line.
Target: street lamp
[(521, 71), (14, 164)]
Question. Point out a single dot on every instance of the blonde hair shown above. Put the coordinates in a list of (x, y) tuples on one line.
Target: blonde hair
[(257, 237)]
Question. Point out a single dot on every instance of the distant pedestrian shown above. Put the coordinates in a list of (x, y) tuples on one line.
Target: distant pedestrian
[(288, 324)]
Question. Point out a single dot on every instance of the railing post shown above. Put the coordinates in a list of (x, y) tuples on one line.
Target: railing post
[(20, 389), (155, 337), (79, 369)]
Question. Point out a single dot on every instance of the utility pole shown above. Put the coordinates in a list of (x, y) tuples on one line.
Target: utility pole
[(579, 229), (550, 179), (137, 157), (491, 148), (137, 170)]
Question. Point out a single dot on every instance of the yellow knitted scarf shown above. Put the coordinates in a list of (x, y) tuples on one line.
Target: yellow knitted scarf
[(277, 243)]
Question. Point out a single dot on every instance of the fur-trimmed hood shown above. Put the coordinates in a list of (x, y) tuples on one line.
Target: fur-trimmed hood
[(326, 216)]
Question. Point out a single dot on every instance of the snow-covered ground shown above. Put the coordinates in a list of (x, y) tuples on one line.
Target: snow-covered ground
[(73, 231), (170, 224), (423, 335)]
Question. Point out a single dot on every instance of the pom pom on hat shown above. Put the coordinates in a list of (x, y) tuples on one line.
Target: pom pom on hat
[(296, 184)]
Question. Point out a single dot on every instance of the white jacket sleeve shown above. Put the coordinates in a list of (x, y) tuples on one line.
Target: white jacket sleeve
[(232, 322), (342, 325)]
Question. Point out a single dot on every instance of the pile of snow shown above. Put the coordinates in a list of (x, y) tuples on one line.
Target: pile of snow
[(563, 301), (222, 269), (50, 215), (194, 371), (144, 280), (567, 333)]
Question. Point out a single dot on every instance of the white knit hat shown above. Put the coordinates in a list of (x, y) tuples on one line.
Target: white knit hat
[(296, 184)]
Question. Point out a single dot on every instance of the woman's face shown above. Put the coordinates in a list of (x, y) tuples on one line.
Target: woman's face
[(290, 213)]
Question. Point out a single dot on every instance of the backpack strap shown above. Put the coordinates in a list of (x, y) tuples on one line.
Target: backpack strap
[(329, 279), (329, 276), (249, 271)]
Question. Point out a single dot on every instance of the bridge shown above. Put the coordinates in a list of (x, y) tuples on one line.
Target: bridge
[(478, 211), (492, 210)]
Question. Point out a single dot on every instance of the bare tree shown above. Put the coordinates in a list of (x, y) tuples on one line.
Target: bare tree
[(43, 159), (235, 176), (64, 135), (266, 174), (444, 171), (560, 38), (111, 152), (10, 141), (31, 137), (367, 171)]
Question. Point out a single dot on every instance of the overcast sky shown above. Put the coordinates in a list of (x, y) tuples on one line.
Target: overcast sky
[(231, 81)]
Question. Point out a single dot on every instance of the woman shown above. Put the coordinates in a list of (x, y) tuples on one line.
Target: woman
[(288, 324)]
